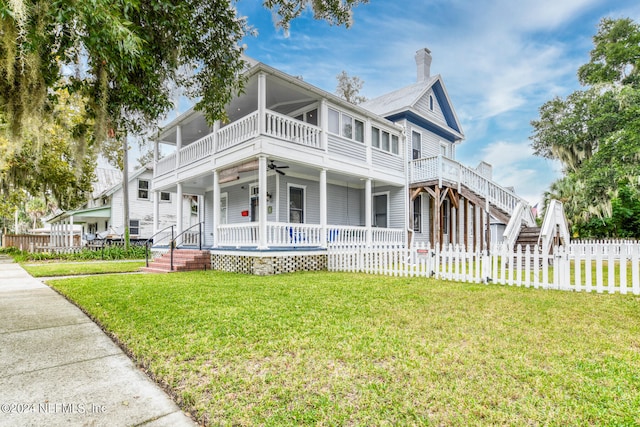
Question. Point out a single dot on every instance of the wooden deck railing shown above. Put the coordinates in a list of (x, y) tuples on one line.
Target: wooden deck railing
[(441, 168)]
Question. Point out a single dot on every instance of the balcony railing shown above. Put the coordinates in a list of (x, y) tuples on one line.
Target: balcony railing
[(276, 125), (303, 235), (441, 168)]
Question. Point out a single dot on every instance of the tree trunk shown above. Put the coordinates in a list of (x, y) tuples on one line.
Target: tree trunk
[(125, 191)]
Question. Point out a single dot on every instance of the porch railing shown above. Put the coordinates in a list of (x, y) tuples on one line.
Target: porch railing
[(441, 168), (280, 234), (293, 130), (276, 125)]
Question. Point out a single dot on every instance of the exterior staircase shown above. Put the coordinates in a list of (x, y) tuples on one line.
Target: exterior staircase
[(528, 236), (183, 260)]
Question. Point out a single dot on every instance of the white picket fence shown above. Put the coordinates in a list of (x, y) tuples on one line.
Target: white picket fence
[(580, 267)]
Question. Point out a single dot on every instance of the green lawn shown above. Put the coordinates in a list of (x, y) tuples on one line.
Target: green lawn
[(353, 349), (51, 269)]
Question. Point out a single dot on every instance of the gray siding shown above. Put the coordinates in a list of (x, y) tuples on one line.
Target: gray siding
[(355, 151), (396, 214), (346, 205), (386, 160)]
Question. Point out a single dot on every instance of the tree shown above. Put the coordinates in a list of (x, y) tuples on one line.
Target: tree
[(50, 162), (123, 57), (595, 134), (349, 88)]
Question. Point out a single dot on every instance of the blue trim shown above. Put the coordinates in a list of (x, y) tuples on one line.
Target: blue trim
[(445, 106), (417, 120)]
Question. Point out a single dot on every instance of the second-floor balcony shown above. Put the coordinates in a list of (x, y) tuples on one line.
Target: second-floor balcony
[(277, 126)]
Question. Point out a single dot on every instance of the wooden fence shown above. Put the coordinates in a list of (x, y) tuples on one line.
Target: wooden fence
[(590, 268), (31, 242)]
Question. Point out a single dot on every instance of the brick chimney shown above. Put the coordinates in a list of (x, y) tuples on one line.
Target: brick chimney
[(423, 63)]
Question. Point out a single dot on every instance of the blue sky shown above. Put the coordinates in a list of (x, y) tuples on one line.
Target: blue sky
[(500, 61)]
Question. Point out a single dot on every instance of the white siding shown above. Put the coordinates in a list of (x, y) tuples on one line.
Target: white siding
[(346, 205), (355, 151), (423, 106)]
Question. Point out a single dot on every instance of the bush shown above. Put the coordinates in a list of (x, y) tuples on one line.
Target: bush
[(107, 253)]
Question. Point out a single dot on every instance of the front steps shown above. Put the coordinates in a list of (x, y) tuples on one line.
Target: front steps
[(183, 260)]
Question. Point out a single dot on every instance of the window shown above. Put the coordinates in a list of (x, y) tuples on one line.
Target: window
[(134, 226), (334, 121), (359, 131), (310, 117), (431, 102), (417, 214), (296, 205), (395, 144), (416, 145), (375, 137), (345, 125), (223, 209), (443, 150), (380, 210), (165, 197), (385, 141), (143, 189)]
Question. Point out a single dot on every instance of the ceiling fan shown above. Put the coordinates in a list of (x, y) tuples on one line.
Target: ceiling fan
[(273, 166)]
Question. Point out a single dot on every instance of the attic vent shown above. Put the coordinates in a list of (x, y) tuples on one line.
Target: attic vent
[(423, 63)]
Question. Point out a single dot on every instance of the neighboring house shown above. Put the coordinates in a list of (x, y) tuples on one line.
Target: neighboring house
[(296, 169), (102, 217)]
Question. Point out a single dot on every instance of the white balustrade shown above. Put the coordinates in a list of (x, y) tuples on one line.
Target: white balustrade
[(197, 150), (165, 165), (293, 130), (237, 132), (238, 234), (437, 168)]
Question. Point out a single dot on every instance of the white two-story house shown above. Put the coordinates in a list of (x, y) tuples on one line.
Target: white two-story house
[(297, 169), (102, 216)]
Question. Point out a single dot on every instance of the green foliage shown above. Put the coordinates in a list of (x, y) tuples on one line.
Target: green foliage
[(51, 162), (107, 253), (595, 133)]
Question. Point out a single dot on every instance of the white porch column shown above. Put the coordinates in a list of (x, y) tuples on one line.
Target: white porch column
[(179, 209), (262, 201), (262, 102), (156, 152), (156, 210), (216, 207), (71, 231), (323, 207), (367, 209), (178, 144), (324, 124)]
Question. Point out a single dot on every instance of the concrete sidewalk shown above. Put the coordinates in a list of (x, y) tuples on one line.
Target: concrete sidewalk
[(57, 367)]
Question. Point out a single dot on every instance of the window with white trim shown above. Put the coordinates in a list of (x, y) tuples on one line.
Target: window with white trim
[(223, 209), (165, 196), (380, 209), (345, 125), (296, 204), (384, 140), (417, 214), (143, 189), (134, 226)]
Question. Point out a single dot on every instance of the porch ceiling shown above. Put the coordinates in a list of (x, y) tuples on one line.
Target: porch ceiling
[(280, 97)]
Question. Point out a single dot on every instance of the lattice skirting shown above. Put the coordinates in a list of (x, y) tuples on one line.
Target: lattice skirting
[(267, 264)]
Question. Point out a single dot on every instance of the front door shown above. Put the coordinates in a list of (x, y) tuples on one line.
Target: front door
[(255, 209)]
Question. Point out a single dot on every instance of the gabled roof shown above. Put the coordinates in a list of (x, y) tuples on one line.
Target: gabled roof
[(403, 104), (133, 175), (105, 179)]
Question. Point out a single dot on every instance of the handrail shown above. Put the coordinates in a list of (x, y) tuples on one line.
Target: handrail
[(554, 225), (150, 239), (521, 213), (172, 246)]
